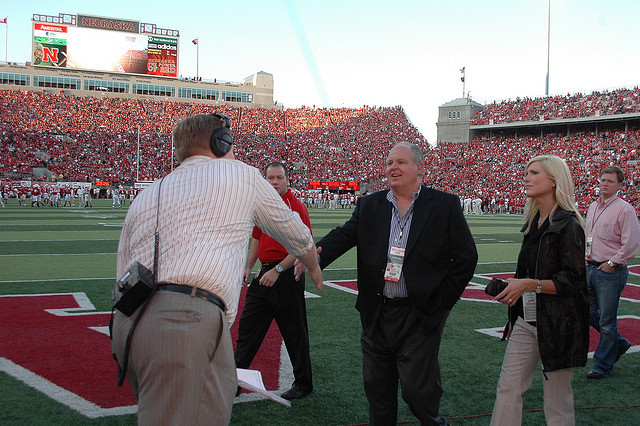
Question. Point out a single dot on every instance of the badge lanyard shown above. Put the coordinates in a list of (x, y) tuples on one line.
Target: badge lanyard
[(396, 255), (401, 226), (593, 225)]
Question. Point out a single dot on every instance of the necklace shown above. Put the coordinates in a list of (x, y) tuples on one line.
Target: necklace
[(541, 220)]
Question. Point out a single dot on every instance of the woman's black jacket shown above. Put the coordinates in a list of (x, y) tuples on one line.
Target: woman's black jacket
[(563, 318)]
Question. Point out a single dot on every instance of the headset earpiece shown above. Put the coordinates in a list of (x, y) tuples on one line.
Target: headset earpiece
[(221, 139)]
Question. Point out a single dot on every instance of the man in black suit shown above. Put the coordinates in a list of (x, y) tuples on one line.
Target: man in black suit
[(415, 257)]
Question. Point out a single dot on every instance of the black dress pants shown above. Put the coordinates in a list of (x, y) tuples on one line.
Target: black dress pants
[(402, 348), (285, 303)]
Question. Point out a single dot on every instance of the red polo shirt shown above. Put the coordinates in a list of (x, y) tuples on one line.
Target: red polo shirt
[(269, 250)]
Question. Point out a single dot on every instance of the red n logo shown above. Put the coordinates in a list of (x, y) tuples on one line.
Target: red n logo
[(50, 55)]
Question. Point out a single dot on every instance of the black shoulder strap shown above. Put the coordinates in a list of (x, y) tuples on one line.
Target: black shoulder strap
[(122, 372)]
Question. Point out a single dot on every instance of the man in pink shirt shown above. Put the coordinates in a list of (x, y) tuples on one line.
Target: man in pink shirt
[(613, 238)]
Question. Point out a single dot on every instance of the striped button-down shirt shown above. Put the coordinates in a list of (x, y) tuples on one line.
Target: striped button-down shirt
[(207, 209), (613, 227), (398, 236)]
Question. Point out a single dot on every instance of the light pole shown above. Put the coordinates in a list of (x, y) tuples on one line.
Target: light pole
[(546, 92), (138, 157)]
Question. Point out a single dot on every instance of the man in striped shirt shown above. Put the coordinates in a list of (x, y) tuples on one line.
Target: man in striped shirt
[(181, 364)]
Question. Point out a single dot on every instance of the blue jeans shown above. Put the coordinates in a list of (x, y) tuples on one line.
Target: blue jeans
[(604, 295)]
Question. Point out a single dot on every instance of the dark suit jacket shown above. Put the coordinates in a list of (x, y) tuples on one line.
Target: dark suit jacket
[(440, 256)]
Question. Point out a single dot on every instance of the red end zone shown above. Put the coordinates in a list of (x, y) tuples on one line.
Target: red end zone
[(66, 354)]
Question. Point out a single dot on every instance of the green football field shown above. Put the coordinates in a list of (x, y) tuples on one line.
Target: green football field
[(64, 250)]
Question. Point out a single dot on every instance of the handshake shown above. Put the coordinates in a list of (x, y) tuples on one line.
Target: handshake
[(300, 268)]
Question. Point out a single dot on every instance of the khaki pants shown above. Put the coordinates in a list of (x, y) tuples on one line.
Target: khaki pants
[(518, 368), (181, 365)]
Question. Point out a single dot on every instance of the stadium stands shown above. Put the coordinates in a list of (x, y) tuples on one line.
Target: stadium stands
[(560, 107), (493, 167), (91, 139), (96, 139)]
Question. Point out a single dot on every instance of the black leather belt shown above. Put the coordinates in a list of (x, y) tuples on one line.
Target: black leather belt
[(395, 301), (200, 293), (594, 263)]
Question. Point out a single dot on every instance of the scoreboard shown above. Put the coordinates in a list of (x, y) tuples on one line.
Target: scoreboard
[(104, 44)]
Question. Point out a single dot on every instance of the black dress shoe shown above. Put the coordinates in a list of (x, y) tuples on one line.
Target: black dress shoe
[(595, 375), (294, 393)]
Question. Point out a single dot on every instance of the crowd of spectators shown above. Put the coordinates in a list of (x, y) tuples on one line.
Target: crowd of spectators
[(96, 139), (492, 167), (85, 138), (619, 101)]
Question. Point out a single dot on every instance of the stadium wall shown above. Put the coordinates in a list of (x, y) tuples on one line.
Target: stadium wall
[(596, 124), (454, 119), (255, 91)]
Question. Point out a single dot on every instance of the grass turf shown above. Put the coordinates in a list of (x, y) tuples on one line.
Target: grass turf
[(47, 250)]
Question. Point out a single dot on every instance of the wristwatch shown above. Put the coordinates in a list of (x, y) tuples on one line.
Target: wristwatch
[(610, 263), (279, 268), (539, 288)]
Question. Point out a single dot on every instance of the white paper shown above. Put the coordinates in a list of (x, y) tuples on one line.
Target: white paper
[(252, 380), (251, 377)]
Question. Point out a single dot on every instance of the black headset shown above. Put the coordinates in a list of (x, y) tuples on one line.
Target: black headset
[(221, 139)]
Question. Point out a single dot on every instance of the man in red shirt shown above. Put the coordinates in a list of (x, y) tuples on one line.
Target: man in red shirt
[(274, 293)]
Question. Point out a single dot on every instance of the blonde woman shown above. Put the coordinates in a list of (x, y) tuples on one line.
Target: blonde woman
[(548, 305)]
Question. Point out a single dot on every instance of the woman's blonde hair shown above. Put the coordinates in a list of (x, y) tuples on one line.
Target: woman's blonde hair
[(558, 171)]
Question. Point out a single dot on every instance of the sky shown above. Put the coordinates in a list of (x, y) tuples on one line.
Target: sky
[(351, 53)]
